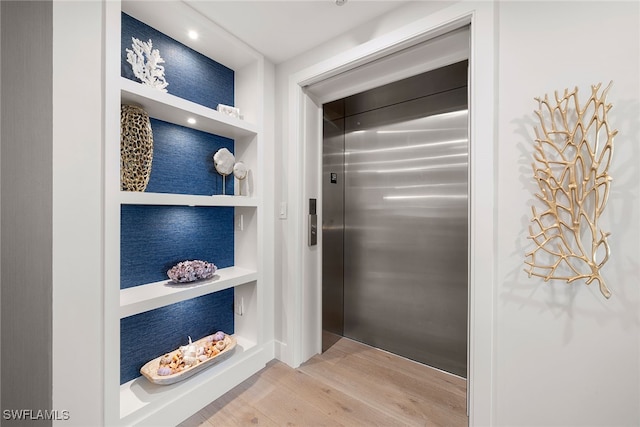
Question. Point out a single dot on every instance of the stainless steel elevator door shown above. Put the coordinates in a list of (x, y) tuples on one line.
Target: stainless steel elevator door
[(405, 229), (395, 207)]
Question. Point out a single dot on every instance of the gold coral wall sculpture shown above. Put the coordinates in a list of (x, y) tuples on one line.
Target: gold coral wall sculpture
[(573, 151)]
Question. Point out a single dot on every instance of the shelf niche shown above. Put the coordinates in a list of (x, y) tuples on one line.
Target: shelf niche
[(189, 74), (183, 161), (155, 238), (151, 334)]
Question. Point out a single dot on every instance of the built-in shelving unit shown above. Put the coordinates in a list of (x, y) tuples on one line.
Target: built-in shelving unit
[(138, 401)]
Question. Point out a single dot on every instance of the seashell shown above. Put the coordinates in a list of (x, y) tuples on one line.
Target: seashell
[(210, 338), (200, 351), (220, 345), (202, 357), (191, 351), (218, 336), (164, 370), (166, 359), (190, 360)]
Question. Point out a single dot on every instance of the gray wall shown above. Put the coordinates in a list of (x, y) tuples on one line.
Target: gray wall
[(26, 206)]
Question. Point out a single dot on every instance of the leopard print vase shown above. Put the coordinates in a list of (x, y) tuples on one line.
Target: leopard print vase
[(136, 148)]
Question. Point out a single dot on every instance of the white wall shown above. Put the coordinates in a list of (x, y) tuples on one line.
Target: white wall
[(565, 355), (562, 355), (77, 211)]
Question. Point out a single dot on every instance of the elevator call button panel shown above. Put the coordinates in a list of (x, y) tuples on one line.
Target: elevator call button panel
[(313, 223)]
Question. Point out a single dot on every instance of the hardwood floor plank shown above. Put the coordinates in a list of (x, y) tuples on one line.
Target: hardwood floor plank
[(234, 410), (292, 410), (403, 365), (419, 386), (367, 389), (338, 406), (416, 398), (350, 384)]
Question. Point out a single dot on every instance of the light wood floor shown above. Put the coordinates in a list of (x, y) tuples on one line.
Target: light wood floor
[(350, 384)]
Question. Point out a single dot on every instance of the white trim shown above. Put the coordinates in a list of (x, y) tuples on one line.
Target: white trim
[(482, 176), (405, 37), (318, 276), (482, 262), (291, 353), (425, 55), (111, 216)]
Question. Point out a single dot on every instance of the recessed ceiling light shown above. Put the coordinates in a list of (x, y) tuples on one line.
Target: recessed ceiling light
[(191, 121), (193, 35), (340, 2)]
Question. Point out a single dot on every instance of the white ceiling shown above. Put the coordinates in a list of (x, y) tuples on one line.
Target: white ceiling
[(280, 30)]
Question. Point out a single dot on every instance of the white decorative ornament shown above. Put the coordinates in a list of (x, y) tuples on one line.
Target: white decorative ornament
[(229, 110), (223, 161), (240, 172), (145, 62)]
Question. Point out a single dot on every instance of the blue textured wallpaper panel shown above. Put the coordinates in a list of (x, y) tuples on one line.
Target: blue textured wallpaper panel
[(155, 238), (183, 161), (190, 75), (145, 336)]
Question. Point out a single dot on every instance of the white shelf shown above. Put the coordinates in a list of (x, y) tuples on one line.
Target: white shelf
[(142, 198), (139, 299), (170, 108), (139, 394)]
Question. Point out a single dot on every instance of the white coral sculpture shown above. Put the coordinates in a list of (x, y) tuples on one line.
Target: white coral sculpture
[(573, 151), (145, 62)]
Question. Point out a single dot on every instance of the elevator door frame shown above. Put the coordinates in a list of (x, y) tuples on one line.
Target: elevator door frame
[(304, 163)]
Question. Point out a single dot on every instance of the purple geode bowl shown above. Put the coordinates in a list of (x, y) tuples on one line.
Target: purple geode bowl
[(190, 271)]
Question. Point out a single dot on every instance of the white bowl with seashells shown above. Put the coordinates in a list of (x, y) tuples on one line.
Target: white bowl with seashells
[(189, 359)]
